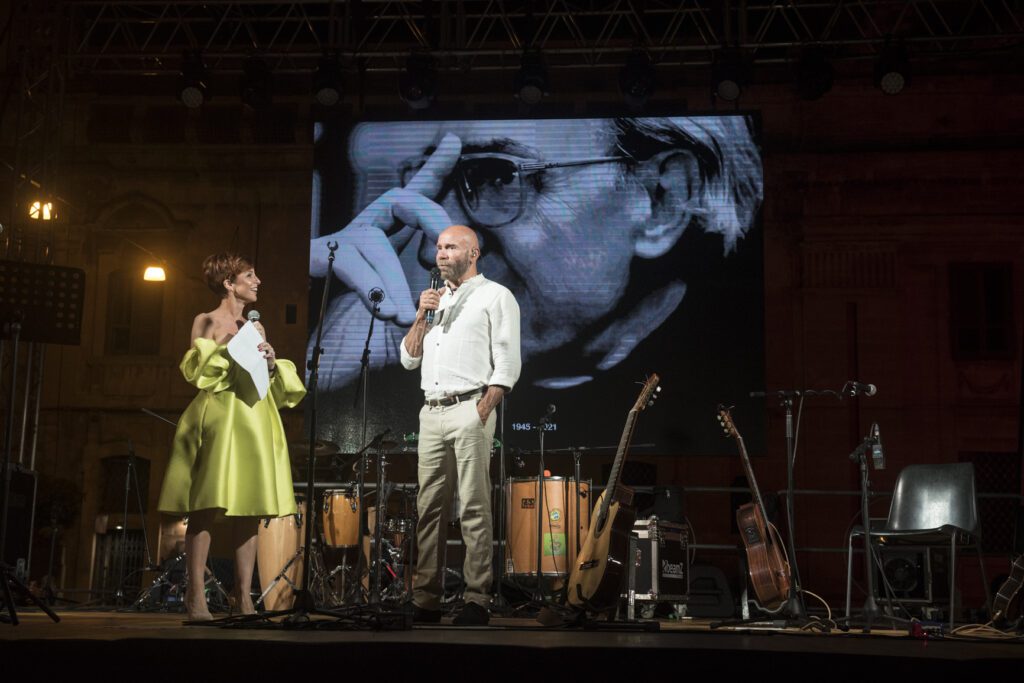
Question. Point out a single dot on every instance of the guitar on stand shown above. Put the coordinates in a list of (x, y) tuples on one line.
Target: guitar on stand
[(768, 568), (596, 580), (1006, 607)]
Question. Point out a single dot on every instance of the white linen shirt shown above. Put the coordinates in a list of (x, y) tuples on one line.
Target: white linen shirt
[(473, 343)]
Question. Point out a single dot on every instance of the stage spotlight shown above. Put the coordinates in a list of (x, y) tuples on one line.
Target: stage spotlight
[(192, 84), (256, 86), (892, 70), (814, 74), (417, 82), (41, 211), (327, 82), (730, 71), (532, 79), (154, 274), (636, 80)]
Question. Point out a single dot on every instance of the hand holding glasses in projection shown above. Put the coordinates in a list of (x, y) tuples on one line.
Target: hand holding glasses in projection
[(493, 189), (367, 254)]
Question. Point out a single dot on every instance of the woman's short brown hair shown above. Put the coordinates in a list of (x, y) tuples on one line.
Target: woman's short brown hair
[(224, 266)]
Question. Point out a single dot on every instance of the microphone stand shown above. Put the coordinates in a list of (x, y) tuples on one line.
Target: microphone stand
[(498, 603), (304, 604), (541, 485), (794, 605), (363, 563)]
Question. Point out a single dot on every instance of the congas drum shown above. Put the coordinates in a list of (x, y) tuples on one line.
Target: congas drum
[(560, 525), (279, 557), (341, 518)]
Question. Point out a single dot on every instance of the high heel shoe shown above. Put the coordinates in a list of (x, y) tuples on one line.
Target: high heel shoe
[(240, 604), (198, 612)]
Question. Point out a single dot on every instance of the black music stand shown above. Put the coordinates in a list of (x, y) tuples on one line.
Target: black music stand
[(38, 304)]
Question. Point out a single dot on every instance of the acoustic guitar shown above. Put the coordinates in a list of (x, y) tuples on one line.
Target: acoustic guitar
[(1006, 612), (596, 579), (768, 568)]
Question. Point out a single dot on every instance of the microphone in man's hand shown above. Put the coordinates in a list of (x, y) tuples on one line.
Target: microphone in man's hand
[(435, 282)]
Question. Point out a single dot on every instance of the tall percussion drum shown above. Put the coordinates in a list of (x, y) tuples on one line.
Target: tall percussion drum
[(341, 518), (560, 527), (279, 557)]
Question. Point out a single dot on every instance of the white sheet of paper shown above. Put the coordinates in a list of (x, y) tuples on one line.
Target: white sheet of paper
[(244, 348)]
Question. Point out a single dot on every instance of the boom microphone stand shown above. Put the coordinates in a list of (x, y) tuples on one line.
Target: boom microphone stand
[(794, 605), (362, 564)]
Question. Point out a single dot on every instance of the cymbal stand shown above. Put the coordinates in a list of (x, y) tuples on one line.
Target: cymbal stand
[(131, 476), (378, 530)]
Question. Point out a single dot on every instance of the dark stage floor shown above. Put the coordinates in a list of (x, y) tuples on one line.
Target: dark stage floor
[(159, 647)]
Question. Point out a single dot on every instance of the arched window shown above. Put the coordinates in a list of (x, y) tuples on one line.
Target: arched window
[(134, 313)]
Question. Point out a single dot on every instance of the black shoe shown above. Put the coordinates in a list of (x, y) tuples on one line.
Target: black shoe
[(425, 616), (472, 615)]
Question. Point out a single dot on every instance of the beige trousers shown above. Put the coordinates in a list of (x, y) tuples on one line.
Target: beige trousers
[(454, 451)]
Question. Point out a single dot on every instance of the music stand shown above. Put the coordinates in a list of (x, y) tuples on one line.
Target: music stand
[(38, 304)]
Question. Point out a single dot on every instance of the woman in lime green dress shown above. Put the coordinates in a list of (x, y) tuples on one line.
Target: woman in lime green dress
[(229, 456)]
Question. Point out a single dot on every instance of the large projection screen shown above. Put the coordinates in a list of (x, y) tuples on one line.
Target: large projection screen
[(632, 245)]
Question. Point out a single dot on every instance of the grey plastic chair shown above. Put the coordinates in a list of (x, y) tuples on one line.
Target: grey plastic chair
[(932, 505)]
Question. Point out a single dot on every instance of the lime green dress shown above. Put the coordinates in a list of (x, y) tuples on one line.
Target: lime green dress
[(229, 450)]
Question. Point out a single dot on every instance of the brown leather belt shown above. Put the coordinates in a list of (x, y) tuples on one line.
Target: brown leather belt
[(452, 400)]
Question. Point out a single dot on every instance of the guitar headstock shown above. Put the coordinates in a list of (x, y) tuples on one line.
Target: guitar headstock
[(725, 419), (649, 393)]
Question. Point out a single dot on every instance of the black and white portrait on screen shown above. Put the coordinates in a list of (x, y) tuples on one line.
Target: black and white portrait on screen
[(631, 244)]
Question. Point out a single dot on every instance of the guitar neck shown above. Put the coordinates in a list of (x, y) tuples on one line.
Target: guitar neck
[(620, 456), (755, 491)]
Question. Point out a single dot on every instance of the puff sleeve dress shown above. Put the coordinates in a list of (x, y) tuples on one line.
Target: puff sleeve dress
[(229, 449)]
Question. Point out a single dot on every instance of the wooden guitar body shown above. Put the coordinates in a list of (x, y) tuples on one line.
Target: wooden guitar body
[(596, 579), (769, 572), (768, 568), (1006, 608)]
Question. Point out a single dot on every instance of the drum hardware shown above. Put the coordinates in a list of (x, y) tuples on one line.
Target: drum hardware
[(281, 575), (279, 551), (151, 598)]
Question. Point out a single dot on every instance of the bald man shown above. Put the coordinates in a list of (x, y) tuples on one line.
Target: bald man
[(469, 357)]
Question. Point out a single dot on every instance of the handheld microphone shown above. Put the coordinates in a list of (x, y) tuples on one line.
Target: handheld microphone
[(854, 388), (254, 316), (435, 282)]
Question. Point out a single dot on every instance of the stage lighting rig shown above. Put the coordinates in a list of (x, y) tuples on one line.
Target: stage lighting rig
[(636, 80), (730, 72), (532, 78), (256, 89), (193, 90), (418, 82), (892, 70), (814, 73), (327, 82)]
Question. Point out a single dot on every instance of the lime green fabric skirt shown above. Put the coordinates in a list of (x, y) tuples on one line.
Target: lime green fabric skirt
[(229, 450)]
